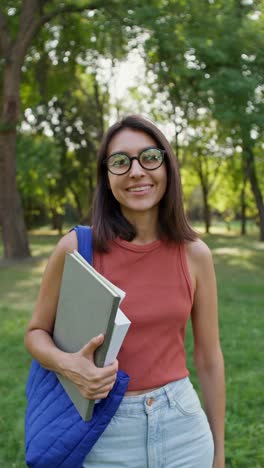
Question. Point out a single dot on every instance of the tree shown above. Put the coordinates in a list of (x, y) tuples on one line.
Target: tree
[(20, 24), (76, 120), (203, 155), (234, 65), (37, 171), (210, 54)]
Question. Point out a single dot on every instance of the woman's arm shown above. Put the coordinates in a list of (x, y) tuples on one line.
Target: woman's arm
[(208, 356), (93, 382)]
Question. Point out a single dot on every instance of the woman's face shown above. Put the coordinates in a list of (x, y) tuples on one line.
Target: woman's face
[(139, 190)]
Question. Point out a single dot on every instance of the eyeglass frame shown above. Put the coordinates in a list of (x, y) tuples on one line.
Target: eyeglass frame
[(131, 158)]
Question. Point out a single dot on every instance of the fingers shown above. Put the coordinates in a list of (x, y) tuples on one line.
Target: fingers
[(101, 382), (110, 369), (93, 382), (96, 390), (89, 349), (88, 352)]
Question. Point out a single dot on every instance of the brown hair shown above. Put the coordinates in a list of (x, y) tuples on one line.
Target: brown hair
[(107, 219)]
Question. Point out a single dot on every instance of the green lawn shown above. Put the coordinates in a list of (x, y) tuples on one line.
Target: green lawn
[(239, 265)]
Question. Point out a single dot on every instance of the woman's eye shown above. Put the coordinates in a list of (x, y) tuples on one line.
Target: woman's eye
[(148, 157), (119, 161)]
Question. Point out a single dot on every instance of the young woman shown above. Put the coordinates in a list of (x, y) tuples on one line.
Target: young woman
[(144, 244)]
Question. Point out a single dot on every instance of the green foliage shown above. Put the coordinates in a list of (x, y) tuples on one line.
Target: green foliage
[(37, 173), (209, 56), (205, 55), (60, 98), (76, 120), (66, 41)]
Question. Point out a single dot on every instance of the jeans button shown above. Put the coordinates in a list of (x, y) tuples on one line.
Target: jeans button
[(150, 401)]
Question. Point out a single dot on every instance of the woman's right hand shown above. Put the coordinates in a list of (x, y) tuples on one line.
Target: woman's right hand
[(94, 383)]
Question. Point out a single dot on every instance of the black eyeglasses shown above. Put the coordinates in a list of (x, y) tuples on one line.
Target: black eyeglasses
[(119, 163)]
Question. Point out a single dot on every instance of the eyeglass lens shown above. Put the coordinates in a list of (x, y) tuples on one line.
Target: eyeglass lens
[(149, 159)]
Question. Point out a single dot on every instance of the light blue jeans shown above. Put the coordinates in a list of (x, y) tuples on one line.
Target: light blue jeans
[(165, 428)]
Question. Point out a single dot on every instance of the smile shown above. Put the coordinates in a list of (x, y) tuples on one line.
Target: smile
[(142, 188)]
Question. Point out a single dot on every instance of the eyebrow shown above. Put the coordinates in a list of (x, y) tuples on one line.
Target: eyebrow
[(128, 153)]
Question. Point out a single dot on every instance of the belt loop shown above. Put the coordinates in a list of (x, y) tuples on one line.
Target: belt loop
[(170, 396)]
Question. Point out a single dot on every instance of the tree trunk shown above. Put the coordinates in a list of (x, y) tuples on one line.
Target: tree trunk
[(252, 176), (12, 220), (203, 176), (57, 221), (206, 212), (243, 202), (243, 230), (78, 205)]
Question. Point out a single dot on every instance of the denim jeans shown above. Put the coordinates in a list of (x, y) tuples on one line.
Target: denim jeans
[(165, 428)]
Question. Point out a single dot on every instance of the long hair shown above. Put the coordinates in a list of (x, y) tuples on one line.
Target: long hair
[(107, 219)]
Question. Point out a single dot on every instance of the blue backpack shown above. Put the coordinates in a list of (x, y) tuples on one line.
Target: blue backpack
[(55, 434)]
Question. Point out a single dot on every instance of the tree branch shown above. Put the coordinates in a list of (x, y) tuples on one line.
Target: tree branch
[(68, 9), (5, 39), (32, 19), (110, 6)]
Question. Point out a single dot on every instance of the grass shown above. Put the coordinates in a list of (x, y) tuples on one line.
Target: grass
[(19, 283), (239, 266)]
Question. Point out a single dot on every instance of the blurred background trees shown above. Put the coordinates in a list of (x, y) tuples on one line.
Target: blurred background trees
[(199, 73)]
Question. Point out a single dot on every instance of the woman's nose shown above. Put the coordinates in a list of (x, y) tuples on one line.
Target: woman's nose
[(136, 169)]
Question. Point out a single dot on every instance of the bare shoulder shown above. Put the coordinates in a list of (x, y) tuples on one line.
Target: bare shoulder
[(198, 250), (67, 243), (199, 256)]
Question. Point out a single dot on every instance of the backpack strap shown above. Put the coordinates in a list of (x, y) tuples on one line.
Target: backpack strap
[(85, 241)]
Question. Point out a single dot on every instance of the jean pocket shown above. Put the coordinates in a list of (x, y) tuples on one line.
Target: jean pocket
[(188, 402)]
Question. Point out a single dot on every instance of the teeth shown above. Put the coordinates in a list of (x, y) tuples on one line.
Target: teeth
[(139, 189)]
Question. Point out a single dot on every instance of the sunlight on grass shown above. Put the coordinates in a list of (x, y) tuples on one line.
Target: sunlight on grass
[(236, 256), (220, 228), (19, 284), (232, 251)]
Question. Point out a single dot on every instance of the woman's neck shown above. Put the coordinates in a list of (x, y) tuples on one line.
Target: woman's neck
[(146, 225)]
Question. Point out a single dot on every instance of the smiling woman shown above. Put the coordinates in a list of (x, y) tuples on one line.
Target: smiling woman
[(144, 244), (138, 190), (158, 188)]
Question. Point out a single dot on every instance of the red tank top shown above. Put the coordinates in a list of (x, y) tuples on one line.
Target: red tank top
[(158, 302)]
